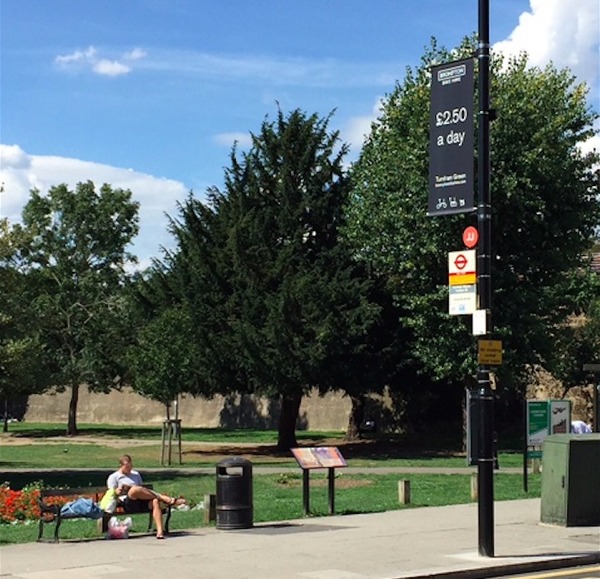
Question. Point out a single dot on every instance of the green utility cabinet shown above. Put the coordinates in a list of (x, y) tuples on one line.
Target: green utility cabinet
[(571, 480)]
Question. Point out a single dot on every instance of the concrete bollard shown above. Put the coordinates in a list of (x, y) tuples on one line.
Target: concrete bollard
[(404, 492), (474, 493)]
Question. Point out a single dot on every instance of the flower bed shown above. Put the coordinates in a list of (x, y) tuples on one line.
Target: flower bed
[(18, 506)]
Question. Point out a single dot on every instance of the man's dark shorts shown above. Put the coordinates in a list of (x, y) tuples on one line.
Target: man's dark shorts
[(133, 506)]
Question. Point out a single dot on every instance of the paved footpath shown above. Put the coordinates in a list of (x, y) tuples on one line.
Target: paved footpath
[(423, 542)]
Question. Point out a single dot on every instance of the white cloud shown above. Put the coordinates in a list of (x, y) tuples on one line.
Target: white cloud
[(243, 140), (562, 32), (89, 60), (110, 68), (135, 54), (21, 172), (78, 56), (566, 34), (14, 157)]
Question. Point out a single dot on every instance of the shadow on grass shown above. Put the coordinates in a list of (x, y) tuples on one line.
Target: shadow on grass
[(372, 450), (100, 431), (24, 430)]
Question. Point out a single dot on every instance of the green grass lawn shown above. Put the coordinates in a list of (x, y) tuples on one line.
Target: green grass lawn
[(277, 496)]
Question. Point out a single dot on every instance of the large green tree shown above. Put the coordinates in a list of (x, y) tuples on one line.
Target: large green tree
[(75, 251), (277, 302), (304, 306), (545, 211)]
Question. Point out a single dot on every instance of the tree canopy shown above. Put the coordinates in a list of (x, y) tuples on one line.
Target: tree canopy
[(74, 251)]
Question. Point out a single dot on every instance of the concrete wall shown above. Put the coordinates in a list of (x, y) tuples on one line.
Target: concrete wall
[(316, 413)]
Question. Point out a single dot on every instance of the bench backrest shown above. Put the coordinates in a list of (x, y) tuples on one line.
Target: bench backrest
[(98, 492), (71, 492)]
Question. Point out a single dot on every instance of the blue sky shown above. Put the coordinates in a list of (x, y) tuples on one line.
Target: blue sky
[(150, 95)]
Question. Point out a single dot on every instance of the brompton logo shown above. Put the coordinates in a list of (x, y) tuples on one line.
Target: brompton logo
[(447, 74)]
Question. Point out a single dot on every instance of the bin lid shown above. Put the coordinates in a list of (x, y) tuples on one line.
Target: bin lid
[(234, 461)]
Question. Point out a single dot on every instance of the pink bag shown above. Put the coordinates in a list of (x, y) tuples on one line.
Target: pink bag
[(118, 529)]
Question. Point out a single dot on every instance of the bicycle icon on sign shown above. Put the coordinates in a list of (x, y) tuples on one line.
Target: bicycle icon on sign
[(441, 204)]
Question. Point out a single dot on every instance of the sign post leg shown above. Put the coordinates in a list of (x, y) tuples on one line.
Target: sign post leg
[(596, 425), (525, 448), (305, 491), (331, 485)]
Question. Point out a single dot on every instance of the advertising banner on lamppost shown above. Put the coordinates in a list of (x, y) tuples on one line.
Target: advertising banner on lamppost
[(451, 147)]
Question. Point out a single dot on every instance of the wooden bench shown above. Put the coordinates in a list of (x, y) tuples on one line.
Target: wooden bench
[(50, 513)]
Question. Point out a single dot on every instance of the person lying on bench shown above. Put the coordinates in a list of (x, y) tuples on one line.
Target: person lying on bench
[(135, 497)]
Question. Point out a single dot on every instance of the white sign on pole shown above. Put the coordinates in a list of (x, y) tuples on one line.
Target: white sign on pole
[(480, 322), (462, 296), (462, 262), (462, 299)]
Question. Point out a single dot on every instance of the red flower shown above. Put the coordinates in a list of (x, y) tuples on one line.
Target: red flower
[(18, 505)]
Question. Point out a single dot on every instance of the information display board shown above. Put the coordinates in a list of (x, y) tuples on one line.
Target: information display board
[(545, 417), (328, 457), (319, 457)]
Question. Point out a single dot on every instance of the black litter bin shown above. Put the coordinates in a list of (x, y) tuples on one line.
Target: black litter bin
[(234, 494)]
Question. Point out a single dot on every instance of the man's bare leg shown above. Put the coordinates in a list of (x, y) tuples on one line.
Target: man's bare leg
[(157, 515), (143, 494)]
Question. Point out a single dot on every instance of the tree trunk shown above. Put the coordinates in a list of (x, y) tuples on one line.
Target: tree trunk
[(5, 425), (290, 408), (72, 421), (356, 418)]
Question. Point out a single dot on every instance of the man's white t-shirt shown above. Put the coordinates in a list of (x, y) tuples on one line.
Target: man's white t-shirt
[(118, 479)]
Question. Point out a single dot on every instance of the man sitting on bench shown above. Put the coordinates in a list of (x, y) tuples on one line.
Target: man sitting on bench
[(135, 497)]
